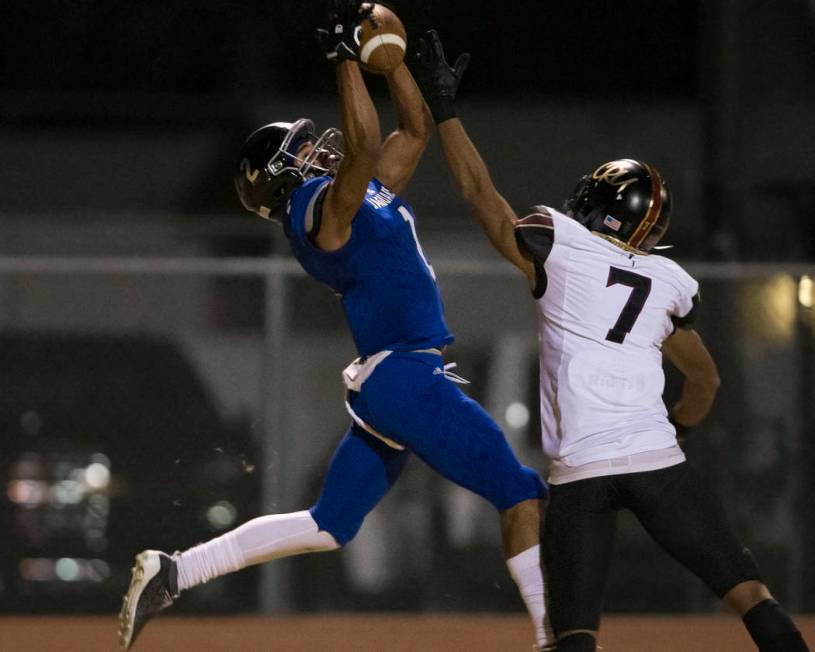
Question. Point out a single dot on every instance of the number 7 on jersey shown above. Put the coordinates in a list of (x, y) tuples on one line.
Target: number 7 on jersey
[(640, 289)]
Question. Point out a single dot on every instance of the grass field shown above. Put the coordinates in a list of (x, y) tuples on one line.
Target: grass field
[(366, 633)]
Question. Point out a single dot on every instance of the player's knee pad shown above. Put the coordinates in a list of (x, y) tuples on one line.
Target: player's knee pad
[(578, 642)]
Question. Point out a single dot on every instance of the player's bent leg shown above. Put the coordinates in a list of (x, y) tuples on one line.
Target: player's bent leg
[(361, 472), (408, 400), (357, 477), (685, 517), (485, 464)]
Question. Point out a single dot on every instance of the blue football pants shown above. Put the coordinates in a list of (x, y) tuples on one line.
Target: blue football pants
[(408, 399)]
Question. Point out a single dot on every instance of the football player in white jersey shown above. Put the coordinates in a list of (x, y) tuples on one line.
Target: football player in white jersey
[(609, 310)]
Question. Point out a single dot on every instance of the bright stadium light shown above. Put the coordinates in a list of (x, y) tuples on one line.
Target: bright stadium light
[(806, 292), (67, 569), (68, 492), (517, 415), (97, 475), (27, 492), (221, 515)]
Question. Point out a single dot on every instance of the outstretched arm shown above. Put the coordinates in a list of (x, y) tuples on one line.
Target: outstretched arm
[(360, 126), (473, 180), (404, 147), (470, 173)]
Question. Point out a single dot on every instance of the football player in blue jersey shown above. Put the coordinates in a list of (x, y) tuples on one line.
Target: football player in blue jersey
[(337, 198)]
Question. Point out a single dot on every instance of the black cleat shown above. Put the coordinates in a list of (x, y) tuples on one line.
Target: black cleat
[(153, 587)]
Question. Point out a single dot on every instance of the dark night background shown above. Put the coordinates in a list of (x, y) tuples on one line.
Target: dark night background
[(717, 94), (260, 48)]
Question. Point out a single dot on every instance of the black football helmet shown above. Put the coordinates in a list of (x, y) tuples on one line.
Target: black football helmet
[(270, 169), (625, 200)]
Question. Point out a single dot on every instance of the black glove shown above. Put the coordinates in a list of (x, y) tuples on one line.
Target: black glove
[(339, 39), (438, 80)]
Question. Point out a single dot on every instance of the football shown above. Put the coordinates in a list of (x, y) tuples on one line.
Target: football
[(382, 41)]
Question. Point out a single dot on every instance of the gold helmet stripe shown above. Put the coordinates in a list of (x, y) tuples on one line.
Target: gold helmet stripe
[(654, 209)]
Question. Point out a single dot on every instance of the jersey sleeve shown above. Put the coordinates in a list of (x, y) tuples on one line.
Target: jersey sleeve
[(686, 308), (535, 235), (305, 209), (687, 320)]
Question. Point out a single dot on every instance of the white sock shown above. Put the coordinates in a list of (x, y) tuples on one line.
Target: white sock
[(256, 541), (525, 569)]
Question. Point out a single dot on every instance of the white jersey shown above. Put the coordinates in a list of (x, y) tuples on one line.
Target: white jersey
[(603, 316)]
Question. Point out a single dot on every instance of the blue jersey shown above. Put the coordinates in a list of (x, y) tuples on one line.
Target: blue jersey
[(388, 289)]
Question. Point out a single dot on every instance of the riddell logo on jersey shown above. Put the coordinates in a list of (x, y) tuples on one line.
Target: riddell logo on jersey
[(600, 380), (381, 198), (616, 383)]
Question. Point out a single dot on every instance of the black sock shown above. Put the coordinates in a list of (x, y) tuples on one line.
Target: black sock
[(580, 642), (772, 629)]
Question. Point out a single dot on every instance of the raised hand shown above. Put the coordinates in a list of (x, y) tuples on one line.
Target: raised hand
[(438, 80), (339, 38)]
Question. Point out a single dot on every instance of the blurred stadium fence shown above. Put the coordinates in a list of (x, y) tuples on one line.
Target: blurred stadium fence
[(155, 402)]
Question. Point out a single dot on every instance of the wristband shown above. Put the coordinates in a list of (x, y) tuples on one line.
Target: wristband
[(443, 107)]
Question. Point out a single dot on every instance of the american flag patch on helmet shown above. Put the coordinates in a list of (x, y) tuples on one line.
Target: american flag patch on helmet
[(611, 223)]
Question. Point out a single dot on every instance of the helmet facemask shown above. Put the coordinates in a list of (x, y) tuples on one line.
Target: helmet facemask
[(571, 205), (324, 158), (272, 167)]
